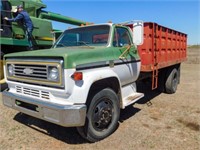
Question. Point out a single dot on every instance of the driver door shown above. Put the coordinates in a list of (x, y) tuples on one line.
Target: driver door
[(127, 62)]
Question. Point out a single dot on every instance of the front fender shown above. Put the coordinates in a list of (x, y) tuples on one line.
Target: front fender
[(81, 88)]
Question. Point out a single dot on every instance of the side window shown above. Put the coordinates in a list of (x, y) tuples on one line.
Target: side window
[(121, 37)]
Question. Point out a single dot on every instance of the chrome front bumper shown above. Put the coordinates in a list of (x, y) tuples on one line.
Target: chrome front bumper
[(64, 115)]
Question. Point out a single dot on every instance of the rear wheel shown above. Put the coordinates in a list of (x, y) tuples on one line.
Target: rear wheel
[(102, 116), (172, 81)]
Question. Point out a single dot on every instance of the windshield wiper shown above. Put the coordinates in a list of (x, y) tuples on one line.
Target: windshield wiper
[(85, 43), (78, 42), (63, 44)]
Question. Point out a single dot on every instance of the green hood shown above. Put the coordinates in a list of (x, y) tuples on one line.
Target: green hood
[(72, 56)]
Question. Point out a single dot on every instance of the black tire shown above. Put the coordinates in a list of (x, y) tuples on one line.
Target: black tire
[(102, 116), (172, 81), (179, 73)]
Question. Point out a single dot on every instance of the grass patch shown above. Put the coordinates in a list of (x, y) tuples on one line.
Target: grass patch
[(194, 46)]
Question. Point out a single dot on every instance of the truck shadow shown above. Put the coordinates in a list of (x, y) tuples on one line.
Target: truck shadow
[(127, 113), (70, 135), (149, 94)]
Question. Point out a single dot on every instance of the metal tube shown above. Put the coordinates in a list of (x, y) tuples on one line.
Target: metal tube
[(61, 18)]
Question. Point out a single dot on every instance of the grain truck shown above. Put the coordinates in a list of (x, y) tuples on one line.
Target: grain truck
[(13, 37), (91, 73)]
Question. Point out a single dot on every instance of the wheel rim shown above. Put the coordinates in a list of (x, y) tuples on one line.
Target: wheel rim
[(102, 114)]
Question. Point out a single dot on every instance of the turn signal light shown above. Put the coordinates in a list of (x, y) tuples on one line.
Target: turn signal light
[(77, 76)]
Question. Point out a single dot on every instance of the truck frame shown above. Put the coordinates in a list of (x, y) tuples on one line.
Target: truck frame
[(91, 73)]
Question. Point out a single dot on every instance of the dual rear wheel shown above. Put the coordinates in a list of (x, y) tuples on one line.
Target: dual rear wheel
[(172, 81), (169, 78)]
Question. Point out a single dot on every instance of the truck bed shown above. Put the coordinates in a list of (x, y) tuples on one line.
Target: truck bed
[(162, 47)]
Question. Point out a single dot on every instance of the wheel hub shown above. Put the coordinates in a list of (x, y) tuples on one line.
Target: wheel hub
[(102, 115)]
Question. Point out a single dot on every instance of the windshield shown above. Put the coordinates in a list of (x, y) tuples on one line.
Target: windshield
[(84, 36)]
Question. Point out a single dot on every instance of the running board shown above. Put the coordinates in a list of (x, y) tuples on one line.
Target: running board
[(132, 98)]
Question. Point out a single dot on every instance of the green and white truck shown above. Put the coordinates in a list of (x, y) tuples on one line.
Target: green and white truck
[(83, 80)]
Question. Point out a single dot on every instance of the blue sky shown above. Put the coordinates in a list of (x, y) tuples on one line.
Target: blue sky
[(181, 15)]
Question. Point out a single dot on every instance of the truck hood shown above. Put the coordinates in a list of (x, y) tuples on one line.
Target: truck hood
[(72, 56)]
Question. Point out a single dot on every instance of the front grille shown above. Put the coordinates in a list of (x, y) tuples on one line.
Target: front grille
[(31, 71), (33, 92), (35, 72)]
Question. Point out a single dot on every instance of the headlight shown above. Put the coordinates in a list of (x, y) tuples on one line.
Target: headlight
[(53, 73), (10, 70)]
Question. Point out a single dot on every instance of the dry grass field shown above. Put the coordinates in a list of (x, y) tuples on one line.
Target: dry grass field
[(158, 121)]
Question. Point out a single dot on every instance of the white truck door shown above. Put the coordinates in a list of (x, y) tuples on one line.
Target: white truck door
[(126, 64)]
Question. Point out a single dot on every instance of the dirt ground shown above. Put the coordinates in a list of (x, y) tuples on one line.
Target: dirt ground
[(158, 121)]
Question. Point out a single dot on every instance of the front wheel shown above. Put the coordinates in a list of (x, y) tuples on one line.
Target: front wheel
[(102, 116)]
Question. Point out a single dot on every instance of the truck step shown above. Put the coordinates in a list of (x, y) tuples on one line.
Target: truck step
[(132, 98)]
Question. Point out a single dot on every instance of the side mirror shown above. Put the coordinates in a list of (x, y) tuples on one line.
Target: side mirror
[(138, 31)]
